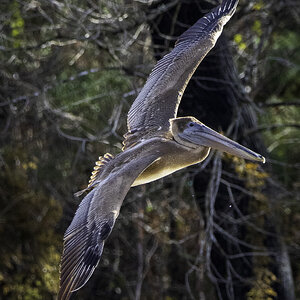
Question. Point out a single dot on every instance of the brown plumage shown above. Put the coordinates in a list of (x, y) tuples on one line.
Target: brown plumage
[(156, 144)]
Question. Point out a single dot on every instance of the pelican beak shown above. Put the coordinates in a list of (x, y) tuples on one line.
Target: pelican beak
[(205, 136)]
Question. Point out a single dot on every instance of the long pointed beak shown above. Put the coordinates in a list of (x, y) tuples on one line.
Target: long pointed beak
[(205, 136)]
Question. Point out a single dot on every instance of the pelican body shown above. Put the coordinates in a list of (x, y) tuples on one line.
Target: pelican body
[(157, 144)]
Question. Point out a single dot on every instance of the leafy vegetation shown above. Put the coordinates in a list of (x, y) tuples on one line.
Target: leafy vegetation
[(69, 72)]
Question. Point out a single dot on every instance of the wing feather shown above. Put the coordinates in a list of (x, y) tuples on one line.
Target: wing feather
[(158, 101), (94, 219)]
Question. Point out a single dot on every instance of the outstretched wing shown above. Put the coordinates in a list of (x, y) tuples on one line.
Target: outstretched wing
[(160, 97), (95, 218)]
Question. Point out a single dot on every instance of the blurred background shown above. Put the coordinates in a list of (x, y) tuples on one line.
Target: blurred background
[(224, 229)]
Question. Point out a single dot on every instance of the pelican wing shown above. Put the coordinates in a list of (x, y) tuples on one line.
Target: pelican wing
[(94, 220), (160, 97)]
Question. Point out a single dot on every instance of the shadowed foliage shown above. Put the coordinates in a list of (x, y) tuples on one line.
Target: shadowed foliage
[(225, 229)]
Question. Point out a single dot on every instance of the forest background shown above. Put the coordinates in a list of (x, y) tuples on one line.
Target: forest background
[(224, 229)]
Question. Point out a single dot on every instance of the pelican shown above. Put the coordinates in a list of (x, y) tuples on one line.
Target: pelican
[(157, 144)]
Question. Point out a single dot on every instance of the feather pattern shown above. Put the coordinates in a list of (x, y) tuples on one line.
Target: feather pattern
[(158, 101), (94, 178), (94, 220), (112, 178)]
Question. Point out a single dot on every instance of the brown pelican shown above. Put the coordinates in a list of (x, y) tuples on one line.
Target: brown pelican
[(156, 144)]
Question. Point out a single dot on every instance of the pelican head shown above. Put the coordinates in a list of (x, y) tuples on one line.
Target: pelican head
[(155, 146), (190, 132)]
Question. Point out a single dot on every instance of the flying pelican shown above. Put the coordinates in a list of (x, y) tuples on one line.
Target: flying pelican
[(156, 144)]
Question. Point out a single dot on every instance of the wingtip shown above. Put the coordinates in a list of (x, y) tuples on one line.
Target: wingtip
[(228, 7), (68, 288), (83, 248), (64, 294)]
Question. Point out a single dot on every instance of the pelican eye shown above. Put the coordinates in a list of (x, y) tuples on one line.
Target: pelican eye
[(191, 124)]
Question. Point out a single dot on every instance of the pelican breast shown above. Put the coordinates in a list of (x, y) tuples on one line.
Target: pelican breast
[(175, 157)]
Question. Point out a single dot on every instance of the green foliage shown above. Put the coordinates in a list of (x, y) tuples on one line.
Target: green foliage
[(16, 24), (239, 41), (31, 251), (262, 284), (262, 287), (259, 5), (257, 27), (52, 136), (95, 94), (251, 172), (284, 88)]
